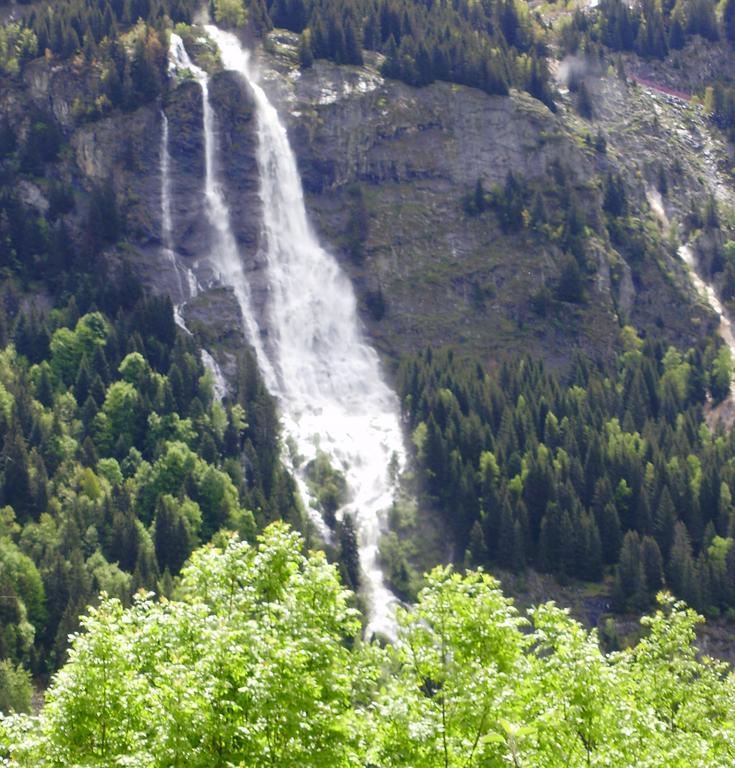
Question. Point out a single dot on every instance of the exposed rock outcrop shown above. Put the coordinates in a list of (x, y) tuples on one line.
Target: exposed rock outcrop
[(445, 277), (425, 272)]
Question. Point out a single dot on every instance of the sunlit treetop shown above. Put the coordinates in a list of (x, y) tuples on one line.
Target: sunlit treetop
[(258, 662)]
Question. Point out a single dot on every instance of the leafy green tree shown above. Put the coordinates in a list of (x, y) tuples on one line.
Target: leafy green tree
[(251, 667), (462, 646), (256, 661), (122, 417), (15, 690), (231, 13)]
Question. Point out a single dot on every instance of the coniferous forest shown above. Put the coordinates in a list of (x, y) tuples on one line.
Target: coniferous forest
[(606, 472), (166, 598)]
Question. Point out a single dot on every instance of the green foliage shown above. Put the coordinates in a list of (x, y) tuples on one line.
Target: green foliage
[(648, 28), (306, 53), (17, 45), (15, 690), (231, 13), (609, 467), (721, 376), (69, 347), (399, 573), (488, 44), (115, 463), (461, 650), (257, 662), (249, 667), (327, 485)]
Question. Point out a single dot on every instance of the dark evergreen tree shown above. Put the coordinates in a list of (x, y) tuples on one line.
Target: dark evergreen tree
[(172, 540)]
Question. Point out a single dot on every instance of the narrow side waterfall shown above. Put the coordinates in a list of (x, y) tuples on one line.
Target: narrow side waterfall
[(218, 378), (188, 285), (315, 360), (166, 221), (704, 288), (224, 255), (187, 282), (709, 294)]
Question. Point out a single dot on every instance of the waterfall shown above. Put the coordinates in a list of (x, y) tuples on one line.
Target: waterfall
[(187, 283), (705, 289), (709, 294), (316, 361), (218, 378), (166, 221)]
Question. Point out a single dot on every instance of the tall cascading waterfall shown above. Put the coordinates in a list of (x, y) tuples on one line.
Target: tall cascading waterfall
[(316, 362)]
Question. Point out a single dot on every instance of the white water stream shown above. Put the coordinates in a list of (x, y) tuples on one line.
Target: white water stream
[(188, 285), (705, 289), (707, 292), (187, 282), (218, 378), (315, 360)]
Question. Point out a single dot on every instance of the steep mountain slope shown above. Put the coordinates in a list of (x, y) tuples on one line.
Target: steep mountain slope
[(498, 224), (386, 168), (447, 277)]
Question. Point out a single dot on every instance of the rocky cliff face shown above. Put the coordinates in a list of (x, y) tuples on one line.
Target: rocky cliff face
[(446, 277), (426, 272)]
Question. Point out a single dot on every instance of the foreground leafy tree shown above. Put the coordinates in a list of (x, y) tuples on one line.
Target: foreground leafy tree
[(460, 656), (249, 667), (475, 684), (257, 663)]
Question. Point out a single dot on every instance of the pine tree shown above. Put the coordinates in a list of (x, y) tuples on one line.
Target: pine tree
[(680, 566), (349, 553), (505, 552), (171, 536), (391, 67), (353, 51), (16, 483), (44, 388), (677, 38), (589, 549), (479, 196), (371, 32), (570, 287), (653, 568), (306, 54), (477, 548), (629, 576), (584, 102), (89, 456)]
